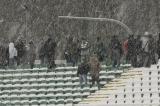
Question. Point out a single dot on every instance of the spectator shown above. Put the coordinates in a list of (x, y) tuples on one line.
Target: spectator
[(12, 55), (31, 54), (42, 53), (69, 50), (131, 50), (100, 49), (74, 52), (145, 50), (152, 50), (116, 51), (125, 50), (84, 48), (82, 72), (3, 59), (50, 46), (20, 46), (158, 47), (138, 50), (94, 69)]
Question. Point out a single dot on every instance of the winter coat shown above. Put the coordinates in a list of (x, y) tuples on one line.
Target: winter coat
[(84, 48), (131, 46), (32, 53), (94, 66), (20, 46), (12, 51), (138, 46), (83, 69), (3, 59), (116, 47), (145, 44), (50, 46), (158, 47), (151, 46), (125, 47), (42, 51)]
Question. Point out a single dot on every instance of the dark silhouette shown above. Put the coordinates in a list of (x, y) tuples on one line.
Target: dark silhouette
[(50, 46), (116, 51)]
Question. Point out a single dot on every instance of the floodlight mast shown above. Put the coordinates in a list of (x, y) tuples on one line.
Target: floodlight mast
[(99, 19)]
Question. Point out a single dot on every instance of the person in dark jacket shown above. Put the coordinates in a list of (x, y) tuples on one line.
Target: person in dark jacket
[(31, 54), (20, 46), (3, 59), (152, 50), (116, 51), (138, 51), (131, 50), (42, 53), (50, 46), (158, 47), (99, 49), (82, 72)]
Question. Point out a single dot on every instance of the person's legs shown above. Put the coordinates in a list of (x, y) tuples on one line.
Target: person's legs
[(85, 78), (51, 62), (81, 80), (146, 60), (73, 60), (12, 63), (98, 84), (31, 64), (93, 81), (114, 62), (118, 59)]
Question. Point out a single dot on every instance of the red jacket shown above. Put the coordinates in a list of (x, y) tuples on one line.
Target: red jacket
[(125, 47)]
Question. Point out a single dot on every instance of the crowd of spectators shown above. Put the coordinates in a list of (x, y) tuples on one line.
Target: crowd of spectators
[(137, 50)]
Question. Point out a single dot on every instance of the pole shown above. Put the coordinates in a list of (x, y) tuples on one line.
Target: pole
[(99, 19)]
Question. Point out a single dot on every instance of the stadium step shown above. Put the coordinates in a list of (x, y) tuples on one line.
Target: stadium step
[(112, 86), (57, 87)]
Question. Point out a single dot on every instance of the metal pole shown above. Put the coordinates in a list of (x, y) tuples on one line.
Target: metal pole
[(99, 19)]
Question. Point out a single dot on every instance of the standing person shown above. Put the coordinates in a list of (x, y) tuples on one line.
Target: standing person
[(94, 69), (82, 72), (31, 54), (138, 50), (152, 50), (12, 55), (131, 50), (145, 49), (74, 52), (125, 50), (20, 46), (100, 49), (158, 46), (50, 47), (42, 53), (69, 50), (116, 51), (3, 60), (84, 48)]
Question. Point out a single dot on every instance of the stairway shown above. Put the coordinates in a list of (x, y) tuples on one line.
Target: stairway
[(101, 96)]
